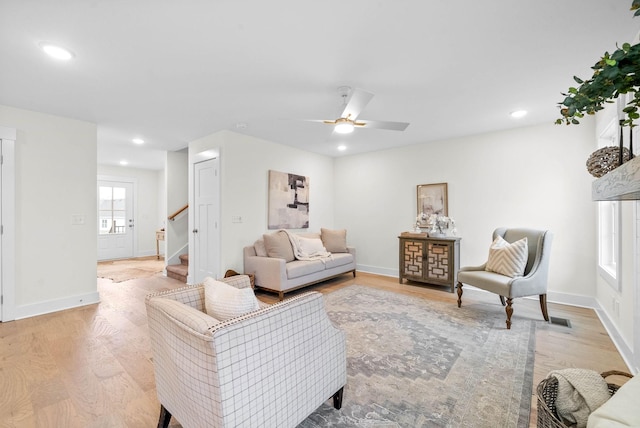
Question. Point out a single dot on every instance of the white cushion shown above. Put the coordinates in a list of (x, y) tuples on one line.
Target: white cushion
[(621, 410), (508, 259), (310, 246), (223, 301)]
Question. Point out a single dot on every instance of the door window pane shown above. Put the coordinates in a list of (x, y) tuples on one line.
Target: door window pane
[(112, 210)]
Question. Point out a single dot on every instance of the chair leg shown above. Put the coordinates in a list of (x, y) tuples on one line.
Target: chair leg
[(543, 306), (502, 300), (165, 417), (337, 399), (509, 311), (459, 294)]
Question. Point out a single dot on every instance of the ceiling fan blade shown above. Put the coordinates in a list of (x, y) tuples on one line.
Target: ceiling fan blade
[(358, 101), (379, 124), (327, 121)]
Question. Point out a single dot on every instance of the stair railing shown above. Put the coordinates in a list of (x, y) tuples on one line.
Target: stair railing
[(173, 216)]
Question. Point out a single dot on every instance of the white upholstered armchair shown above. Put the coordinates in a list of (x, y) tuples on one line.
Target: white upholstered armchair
[(534, 280), (271, 367)]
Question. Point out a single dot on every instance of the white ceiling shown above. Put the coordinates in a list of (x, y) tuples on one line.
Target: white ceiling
[(173, 71)]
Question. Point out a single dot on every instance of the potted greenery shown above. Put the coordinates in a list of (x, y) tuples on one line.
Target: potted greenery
[(614, 74)]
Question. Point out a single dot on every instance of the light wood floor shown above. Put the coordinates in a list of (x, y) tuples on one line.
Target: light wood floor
[(91, 366)]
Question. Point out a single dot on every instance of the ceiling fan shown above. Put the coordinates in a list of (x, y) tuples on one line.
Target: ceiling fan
[(353, 106)]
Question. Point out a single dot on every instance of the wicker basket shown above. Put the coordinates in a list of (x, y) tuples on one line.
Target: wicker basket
[(606, 159), (547, 391), (251, 276)]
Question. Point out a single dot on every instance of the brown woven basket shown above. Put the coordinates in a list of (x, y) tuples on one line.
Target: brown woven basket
[(606, 159), (547, 392)]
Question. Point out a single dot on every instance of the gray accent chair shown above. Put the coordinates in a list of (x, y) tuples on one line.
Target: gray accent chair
[(534, 280)]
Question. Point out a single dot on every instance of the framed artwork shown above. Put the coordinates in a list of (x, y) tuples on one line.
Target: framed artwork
[(288, 201), (432, 199)]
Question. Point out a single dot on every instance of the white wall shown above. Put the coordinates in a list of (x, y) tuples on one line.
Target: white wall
[(244, 163), (530, 177), (146, 205), (55, 180), (177, 185)]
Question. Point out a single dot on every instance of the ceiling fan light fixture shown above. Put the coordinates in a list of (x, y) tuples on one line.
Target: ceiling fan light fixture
[(344, 126)]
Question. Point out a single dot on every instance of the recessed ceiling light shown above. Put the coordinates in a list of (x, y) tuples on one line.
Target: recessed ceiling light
[(518, 114), (342, 147), (124, 162), (55, 51), (138, 141)]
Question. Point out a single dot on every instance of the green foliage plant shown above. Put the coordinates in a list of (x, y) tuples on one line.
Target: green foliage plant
[(614, 74)]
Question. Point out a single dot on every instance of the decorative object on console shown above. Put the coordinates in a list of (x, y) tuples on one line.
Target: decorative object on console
[(288, 201), (431, 199), (606, 159), (440, 225)]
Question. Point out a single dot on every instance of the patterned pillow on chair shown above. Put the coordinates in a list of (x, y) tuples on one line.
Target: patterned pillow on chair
[(508, 259)]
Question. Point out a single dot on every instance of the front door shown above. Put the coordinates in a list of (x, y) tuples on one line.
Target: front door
[(206, 233), (115, 220)]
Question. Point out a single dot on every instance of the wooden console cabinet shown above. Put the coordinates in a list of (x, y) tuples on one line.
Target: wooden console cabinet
[(430, 260)]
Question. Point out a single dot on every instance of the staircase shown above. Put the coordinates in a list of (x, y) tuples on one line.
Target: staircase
[(180, 271)]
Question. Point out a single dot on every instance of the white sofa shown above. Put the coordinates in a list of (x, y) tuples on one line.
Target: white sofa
[(278, 270), (271, 367), (621, 410)]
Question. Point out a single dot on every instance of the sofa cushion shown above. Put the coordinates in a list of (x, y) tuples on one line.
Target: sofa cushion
[(339, 259), (621, 410), (508, 259), (224, 301), (300, 268), (335, 241), (260, 249), (278, 246)]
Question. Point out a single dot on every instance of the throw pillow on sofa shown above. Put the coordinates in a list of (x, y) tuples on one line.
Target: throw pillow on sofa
[(311, 246), (335, 241), (223, 301), (261, 250), (508, 259), (278, 246)]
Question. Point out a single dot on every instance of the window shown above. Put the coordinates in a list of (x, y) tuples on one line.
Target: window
[(112, 210), (609, 242)]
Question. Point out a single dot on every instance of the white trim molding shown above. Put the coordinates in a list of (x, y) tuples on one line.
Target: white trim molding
[(48, 306)]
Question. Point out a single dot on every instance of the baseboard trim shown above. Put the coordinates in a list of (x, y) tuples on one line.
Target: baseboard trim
[(377, 270), (625, 351), (46, 307)]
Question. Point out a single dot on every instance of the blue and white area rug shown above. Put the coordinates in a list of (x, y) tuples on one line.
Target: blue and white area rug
[(415, 363)]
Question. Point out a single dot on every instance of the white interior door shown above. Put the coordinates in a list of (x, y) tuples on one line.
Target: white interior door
[(115, 220), (206, 232)]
